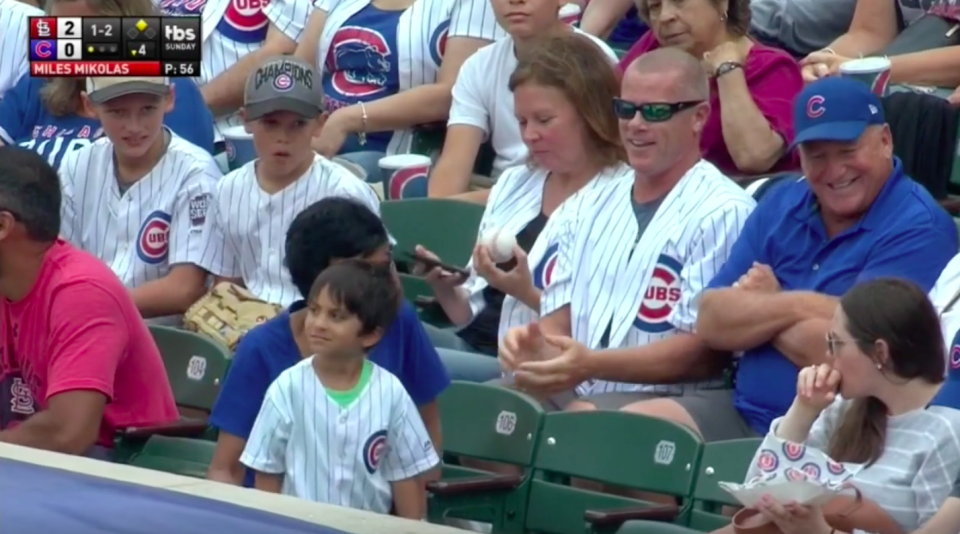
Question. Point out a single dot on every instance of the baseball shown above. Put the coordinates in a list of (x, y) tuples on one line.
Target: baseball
[(499, 243)]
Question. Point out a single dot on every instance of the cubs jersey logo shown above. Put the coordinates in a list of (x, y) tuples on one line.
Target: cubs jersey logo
[(543, 272), (661, 296), (438, 42), (795, 475), (835, 468), (408, 183), (374, 449), (154, 237), (230, 150), (244, 21), (768, 461), (811, 469), (358, 62)]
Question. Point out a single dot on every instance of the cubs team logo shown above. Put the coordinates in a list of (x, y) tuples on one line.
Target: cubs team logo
[(543, 272), (815, 107), (283, 83), (795, 475), (768, 461), (358, 62), (811, 469), (230, 150), (955, 352), (438, 42), (408, 183), (794, 451), (661, 296), (244, 21), (182, 7), (835, 468), (374, 449), (879, 85), (154, 238)]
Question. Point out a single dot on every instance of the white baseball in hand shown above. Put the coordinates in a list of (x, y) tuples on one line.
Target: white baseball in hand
[(499, 244)]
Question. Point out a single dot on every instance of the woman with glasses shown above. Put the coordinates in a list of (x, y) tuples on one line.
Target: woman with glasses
[(562, 93), (752, 86), (870, 409)]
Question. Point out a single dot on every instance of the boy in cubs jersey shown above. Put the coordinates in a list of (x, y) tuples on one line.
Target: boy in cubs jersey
[(137, 198), (337, 428), (254, 205)]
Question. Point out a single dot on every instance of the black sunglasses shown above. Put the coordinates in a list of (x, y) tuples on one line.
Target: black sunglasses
[(651, 112)]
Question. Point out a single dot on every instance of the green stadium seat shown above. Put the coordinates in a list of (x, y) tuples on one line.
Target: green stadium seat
[(493, 424), (420, 294), (613, 448), (722, 461), (180, 456), (654, 527), (195, 366), (446, 227)]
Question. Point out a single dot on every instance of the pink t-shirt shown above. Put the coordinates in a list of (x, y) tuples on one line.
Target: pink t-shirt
[(774, 80), (78, 329)]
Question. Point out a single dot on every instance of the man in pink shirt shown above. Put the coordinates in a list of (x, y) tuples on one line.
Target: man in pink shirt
[(77, 361)]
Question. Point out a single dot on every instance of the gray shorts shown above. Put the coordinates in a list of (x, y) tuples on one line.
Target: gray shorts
[(711, 409), (554, 403)]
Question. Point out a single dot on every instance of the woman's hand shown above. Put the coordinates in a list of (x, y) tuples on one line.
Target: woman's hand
[(817, 387), (730, 51), (439, 279), (333, 135), (793, 518), (516, 282), (820, 65)]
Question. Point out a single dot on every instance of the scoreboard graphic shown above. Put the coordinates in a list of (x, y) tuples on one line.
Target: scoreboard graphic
[(114, 46)]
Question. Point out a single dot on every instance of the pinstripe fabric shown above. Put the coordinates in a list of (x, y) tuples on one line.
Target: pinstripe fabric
[(645, 288), (14, 41), (346, 456), (157, 223), (248, 227)]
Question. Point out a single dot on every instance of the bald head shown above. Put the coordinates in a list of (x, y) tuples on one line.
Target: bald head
[(691, 75)]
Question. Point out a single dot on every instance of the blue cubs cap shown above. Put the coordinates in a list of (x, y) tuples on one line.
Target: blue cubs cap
[(835, 109)]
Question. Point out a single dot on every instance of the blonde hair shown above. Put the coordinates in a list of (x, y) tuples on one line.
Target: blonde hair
[(61, 96), (577, 67)]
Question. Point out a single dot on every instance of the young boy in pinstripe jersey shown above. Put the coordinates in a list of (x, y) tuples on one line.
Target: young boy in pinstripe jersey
[(335, 427)]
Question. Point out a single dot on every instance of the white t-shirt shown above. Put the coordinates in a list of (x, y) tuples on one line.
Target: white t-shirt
[(336, 454), (14, 39), (482, 98)]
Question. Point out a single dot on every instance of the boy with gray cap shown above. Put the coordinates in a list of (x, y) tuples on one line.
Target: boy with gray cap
[(137, 198), (254, 205)]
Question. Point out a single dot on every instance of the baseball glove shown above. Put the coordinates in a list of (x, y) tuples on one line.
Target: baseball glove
[(227, 313)]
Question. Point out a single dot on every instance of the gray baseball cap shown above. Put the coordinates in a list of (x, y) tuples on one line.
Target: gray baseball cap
[(283, 84), (104, 89)]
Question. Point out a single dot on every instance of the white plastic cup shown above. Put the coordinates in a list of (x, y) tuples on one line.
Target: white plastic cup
[(239, 146), (873, 71), (405, 175), (570, 13)]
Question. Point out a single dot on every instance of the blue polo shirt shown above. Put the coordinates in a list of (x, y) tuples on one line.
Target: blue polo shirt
[(905, 234), (270, 349)]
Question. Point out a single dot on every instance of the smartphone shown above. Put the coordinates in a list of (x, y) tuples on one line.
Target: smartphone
[(432, 263)]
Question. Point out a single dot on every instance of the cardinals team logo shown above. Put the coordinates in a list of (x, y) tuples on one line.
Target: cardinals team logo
[(661, 296), (374, 449), (438, 42), (768, 461), (358, 62), (154, 238), (409, 183), (543, 272)]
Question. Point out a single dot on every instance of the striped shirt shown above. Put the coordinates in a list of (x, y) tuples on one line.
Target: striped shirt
[(14, 40)]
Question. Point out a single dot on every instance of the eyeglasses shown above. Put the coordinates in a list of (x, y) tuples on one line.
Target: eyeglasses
[(834, 344), (651, 112)]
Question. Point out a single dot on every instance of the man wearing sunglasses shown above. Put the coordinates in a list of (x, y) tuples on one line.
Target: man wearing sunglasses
[(77, 362), (629, 279)]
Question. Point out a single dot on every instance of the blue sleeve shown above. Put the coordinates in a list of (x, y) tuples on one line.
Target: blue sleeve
[(190, 118), (423, 374), (745, 251), (917, 254), (20, 109), (243, 391)]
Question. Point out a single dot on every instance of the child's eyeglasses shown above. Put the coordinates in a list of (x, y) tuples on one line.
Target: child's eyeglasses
[(651, 112)]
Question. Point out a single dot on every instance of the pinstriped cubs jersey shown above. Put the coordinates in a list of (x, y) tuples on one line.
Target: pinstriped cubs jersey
[(634, 288), (421, 38), (234, 28), (345, 456), (14, 41), (247, 227), (514, 202), (153, 225)]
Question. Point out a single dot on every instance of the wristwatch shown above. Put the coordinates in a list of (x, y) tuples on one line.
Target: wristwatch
[(726, 67)]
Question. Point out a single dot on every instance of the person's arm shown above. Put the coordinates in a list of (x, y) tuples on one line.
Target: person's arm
[(798, 426), (939, 67), (221, 256), (601, 17), (947, 518), (235, 411), (430, 415), (171, 294), (266, 449), (873, 27), (89, 338), (423, 375), (309, 43), (757, 113), (19, 110), (467, 128), (410, 454)]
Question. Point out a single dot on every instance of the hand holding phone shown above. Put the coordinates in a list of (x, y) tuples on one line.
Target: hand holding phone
[(430, 262)]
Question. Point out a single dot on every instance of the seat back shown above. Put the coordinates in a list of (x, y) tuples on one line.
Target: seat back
[(617, 448), (490, 423), (446, 227), (180, 456), (195, 365), (722, 461), (654, 527)]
